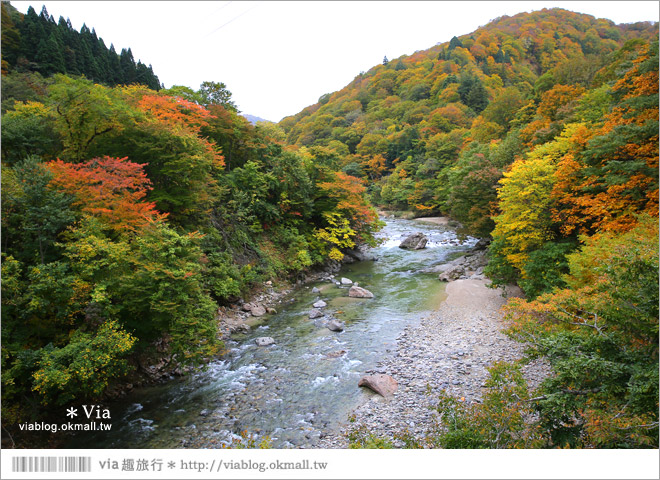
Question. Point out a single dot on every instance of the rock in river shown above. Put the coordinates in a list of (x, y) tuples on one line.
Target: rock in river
[(346, 281), (320, 304), (337, 354), (359, 292), (264, 341), (315, 313), (380, 383), (416, 241), (335, 326)]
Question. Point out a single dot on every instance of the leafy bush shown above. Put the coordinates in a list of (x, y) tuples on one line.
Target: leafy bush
[(82, 368)]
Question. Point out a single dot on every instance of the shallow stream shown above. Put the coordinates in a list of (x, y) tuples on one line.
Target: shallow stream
[(305, 385)]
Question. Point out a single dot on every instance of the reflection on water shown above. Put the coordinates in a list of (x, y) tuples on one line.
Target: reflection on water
[(305, 384)]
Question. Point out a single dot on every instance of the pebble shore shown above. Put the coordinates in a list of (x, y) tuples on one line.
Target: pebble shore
[(450, 350)]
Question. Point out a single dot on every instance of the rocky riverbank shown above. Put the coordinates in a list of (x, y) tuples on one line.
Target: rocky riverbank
[(241, 316), (449, 350)]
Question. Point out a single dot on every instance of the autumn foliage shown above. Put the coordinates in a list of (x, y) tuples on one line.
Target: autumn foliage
[(124, 227), (130, 215), (112, 189)]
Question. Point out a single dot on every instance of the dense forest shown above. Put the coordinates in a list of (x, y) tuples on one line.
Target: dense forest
[(130, 213), (36, 43)]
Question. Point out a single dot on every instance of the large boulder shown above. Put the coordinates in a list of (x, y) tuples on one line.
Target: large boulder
[(258, 311), (264, 341), (454, 272), (359, 292), (360, 254), (416, 241), (335, 325), (380, 383)]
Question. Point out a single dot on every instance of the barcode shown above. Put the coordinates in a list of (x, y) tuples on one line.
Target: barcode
[(51, 464)]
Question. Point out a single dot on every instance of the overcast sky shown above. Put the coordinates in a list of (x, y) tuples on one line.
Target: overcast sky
[(279, 57)]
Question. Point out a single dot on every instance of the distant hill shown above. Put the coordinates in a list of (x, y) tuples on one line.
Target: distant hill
[(435, 131), (37, 43), (394, 108), (254, 120)]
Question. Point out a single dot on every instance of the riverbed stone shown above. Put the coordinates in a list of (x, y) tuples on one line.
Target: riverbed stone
[(427, 362), (360, 254), (320, 304), (416, 241), (335, 326), (452, 273), (359, 292), (315, 313), (316, 290), (258, 311), (264, 341), (346, 281), (337, 354), (380, 383)]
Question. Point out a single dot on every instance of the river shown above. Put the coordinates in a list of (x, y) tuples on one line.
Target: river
[(305, 385)]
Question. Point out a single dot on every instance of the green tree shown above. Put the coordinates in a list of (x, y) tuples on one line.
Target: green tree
[(600, 335), (11, 40), (33, 213), (470, 190), (85, 112), (216, 93)]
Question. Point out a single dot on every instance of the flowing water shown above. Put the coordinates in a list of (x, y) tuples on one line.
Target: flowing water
[(305, 385)]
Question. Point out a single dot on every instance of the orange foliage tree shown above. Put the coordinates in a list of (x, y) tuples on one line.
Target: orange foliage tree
[(111, 189), (616, 177)]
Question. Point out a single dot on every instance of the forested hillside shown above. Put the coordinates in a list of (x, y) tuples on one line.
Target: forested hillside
[(36, 43), (559, 97), (129, 215), (539, 132)]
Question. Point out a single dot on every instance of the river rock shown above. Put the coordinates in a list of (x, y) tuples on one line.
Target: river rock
[(467, 266), (271, 311), (316, 290), (264, 341), (335, 326), (258, 311), (346, 281), (359, 254), (416, 241), (337, 354), (320, 304), (380, 383), (315, 313), (452, 273), (359, 292), (482, 244)]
